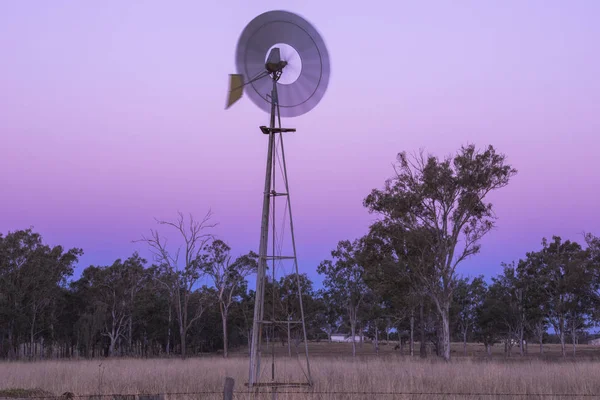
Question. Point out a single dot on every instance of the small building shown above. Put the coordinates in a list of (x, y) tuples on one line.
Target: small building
[(338, 337), (594, 342), (344, 338)]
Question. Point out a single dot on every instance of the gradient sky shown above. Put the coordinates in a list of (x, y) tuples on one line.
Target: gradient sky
[(111, 114)]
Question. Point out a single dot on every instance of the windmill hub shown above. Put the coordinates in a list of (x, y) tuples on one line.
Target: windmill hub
[(293, 63)]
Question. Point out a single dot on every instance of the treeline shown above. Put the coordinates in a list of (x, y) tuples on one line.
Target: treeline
[(430, 217), (128, 309), (398, 282), (556, 287), (131, 307)]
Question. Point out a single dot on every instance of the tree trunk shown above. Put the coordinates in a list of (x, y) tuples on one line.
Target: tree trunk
[(168, 347), (376, 340), (360, 337), (130, 336), (521, 335), (289, 339), (224, 321), (249, 342), (563, 349), (540, 333), (111, 347), (10, 344), (412, 334), (574, 338), (446, 332), (465, 342), (31, 335), (488, 349), (422, 348), (183, 345), (353, 330)]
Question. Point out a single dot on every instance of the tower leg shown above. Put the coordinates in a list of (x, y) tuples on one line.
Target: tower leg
[(262, 257), (289, 203)]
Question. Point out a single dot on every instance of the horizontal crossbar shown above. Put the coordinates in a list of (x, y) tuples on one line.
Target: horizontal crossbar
[(266, 130), (279, 257), (281, 322), (280, 384)]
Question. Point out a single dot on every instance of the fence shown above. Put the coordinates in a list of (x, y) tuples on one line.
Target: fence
[(229, 393)]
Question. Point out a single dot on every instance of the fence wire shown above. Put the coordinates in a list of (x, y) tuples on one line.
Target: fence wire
[(307, 394)]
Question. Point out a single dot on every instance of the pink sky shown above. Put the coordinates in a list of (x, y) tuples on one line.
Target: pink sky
[(111, 114)]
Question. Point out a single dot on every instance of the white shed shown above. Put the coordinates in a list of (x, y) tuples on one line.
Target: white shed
[(338, 337), (344, 338)]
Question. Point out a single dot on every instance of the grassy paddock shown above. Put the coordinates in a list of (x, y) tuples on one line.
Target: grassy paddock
[(331, 372)]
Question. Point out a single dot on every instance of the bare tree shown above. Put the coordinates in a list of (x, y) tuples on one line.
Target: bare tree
[(227, 277), (183, 268)]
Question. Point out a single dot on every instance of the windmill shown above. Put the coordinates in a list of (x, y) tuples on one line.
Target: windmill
[(283, 66)]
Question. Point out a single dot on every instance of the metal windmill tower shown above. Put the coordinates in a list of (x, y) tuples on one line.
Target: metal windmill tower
[(283, 66)]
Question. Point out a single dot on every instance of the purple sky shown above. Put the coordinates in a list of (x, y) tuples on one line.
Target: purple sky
[(111, 114)]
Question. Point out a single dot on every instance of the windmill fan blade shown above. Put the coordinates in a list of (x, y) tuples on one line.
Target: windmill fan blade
[(304, 79), (236, 89)]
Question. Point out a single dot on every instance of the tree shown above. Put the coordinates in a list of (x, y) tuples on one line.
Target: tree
[(181, 272), (388, 275), (445, 201), (508, 298), (568, 281), (227, 276), (288, 304), (468, 295), (535, 299), (331, 314), (487, 328), (344, 281), (593, 249), (45, 272), (113, 289), (31, 277)]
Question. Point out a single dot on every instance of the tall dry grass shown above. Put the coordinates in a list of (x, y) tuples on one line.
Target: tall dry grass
[(378, 374)]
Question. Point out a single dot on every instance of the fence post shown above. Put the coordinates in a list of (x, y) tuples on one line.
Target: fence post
[(228, 390)]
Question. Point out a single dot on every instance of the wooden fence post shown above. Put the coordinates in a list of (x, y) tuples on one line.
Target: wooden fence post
[(228, 390)]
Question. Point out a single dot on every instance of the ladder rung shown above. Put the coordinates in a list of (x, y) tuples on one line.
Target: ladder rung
[(280, 322), (280, 257)]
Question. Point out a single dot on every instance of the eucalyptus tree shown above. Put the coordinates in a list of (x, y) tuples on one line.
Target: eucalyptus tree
[(289, 306), (446, 199), (331, 314), (111, 292), (344, 280), (488, 327), (32, 275), (568, 283), (388, 275), (535, 296), (228, 277), (510, 317), (468, 295), (593, 249)]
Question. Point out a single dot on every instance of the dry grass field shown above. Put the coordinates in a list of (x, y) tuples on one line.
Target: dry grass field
[(333, 371)]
